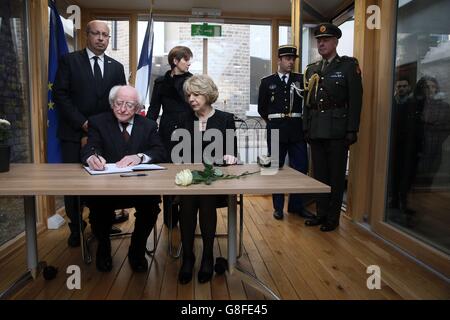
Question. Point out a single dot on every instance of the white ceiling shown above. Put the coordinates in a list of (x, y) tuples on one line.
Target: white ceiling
[(326, 8)]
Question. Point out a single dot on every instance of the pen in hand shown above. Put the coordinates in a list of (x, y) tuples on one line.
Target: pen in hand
[(94, 151)]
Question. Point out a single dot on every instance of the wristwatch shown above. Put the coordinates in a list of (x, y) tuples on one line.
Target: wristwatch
[(141, 156)]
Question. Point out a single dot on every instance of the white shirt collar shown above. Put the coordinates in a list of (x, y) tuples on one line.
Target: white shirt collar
[(91, 54), (283, 74), (130, 122)]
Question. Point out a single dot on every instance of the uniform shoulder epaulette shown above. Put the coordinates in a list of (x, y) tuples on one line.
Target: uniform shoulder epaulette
[(313, 63), (347, 58), (266, 77)]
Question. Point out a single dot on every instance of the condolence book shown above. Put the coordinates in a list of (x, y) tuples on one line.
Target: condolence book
[(112, 168)]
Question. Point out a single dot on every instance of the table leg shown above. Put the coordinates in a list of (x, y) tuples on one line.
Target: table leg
[(233, 269), (34, 266), (85, 251)]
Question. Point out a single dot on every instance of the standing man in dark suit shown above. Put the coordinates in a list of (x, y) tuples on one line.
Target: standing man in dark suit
[(82, 84), (331, 120), (126, 138), (280, 105)]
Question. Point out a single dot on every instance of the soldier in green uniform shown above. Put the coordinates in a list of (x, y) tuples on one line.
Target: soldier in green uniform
[(280, 105), (331, 120)]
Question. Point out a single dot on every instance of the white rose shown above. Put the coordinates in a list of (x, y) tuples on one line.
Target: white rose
[(183, 178), (4, 123)]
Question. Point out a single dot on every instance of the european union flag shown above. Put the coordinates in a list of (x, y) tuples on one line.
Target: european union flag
[(57, 48)]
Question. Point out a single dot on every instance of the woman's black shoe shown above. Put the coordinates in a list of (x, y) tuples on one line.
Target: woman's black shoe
[(206, 270), (185, 274)]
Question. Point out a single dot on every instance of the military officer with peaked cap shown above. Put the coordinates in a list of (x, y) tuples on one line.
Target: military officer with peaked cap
[(331, 120), (280, 105)]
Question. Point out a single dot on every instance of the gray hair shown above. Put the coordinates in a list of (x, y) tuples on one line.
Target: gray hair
[(201, 84), (113, 94)]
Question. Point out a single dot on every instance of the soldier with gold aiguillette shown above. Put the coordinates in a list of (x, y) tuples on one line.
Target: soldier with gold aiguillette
[(280, 105), (331, 120)]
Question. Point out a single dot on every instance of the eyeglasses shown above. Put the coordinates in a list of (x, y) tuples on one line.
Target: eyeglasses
[(97, 34), (130, 105)]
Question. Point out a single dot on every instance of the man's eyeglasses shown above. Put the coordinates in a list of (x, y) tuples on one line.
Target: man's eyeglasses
[(97, 34), (130, 105)]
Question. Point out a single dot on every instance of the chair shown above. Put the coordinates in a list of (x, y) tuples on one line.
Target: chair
[(176, 254), (85, 242)]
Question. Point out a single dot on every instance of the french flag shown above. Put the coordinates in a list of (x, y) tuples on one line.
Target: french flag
[(144, 69)]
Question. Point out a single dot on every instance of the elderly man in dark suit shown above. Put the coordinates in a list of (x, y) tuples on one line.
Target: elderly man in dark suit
[(82, 84), (124, 137)]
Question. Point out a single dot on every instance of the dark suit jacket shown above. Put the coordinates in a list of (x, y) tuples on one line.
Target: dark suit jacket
[(75, 95), (220, 120), (105, 138)]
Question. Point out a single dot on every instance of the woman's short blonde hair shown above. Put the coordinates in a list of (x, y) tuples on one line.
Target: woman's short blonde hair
[(202, 85)]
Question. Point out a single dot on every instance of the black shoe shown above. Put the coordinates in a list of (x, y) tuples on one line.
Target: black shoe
[(328, 226), (121, 217), (206, 270), (74, 240), (277, 214), (103, 260), (137, 263), (185, 274), (115, 230), (314, 222)]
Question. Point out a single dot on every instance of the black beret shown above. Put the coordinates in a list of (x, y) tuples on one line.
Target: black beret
[(287, 50), (327, 30)]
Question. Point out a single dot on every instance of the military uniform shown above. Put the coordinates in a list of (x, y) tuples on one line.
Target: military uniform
[(332, 112), (275, 107), (331, 120)]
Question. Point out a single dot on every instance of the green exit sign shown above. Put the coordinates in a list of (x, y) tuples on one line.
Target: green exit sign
[(205, 30)]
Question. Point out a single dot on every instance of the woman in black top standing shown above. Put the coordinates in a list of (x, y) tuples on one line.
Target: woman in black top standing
[(168, 94)]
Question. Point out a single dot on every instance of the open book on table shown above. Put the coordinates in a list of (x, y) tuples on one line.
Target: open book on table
[(112, 168)]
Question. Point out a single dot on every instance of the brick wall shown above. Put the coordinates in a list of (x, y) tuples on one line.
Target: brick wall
[(228, 65), (122, 53)]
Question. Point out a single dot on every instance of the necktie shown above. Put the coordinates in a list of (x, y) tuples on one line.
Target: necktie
[(283, 78), (97, 75), (324, 64), (125, 134)]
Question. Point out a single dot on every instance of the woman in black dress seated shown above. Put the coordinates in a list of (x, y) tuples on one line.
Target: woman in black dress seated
[(203, 121)]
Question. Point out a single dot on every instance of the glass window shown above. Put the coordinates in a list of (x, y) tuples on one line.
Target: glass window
[(14, 105), (236, 61), (418, 190)]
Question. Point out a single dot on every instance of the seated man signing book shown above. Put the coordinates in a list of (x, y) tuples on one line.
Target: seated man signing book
[(124, 137)]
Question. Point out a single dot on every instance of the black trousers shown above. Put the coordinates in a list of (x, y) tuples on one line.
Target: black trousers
[(206, 206), (102, 213), (329, 158), (70, 152)]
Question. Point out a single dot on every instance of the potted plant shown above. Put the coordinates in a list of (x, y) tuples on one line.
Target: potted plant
[(5, 149)]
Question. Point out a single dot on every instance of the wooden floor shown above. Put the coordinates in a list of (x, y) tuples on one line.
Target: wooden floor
[(295, 261)]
